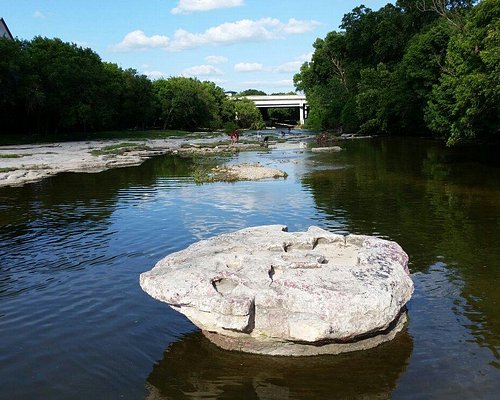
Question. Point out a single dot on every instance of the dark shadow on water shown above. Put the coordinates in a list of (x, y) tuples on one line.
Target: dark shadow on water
[(195, 368)]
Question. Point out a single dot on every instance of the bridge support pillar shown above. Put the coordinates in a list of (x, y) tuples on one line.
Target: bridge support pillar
[(302, 114)]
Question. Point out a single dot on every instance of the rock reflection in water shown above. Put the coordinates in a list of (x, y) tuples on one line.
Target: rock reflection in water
[(195, 368)]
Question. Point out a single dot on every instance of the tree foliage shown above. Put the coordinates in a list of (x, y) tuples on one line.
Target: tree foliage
[(252, 92), (464, 105), (420, 66), (48, 86), (185, 103), (290, 115), (247, 114)]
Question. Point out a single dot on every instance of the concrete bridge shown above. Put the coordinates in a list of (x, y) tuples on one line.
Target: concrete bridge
[(283, 101)]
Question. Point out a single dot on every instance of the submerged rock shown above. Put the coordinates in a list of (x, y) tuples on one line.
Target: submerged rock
[(269, 291)]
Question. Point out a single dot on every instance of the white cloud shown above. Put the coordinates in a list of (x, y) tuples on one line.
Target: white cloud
[(188, 6), (202, 70), (287, 67), (291, 66), (248, 67), (39, 15), (295, 26), (137, 40), (284, 82), (305, 57), (227, 33), (245, 30), (216, 59)]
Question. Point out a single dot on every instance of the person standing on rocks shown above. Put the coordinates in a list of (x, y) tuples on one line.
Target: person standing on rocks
[(235, 136)]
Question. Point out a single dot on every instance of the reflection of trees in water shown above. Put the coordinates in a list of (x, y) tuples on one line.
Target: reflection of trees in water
[(436, 205), (194, 368), (45, 224), (68, 195)]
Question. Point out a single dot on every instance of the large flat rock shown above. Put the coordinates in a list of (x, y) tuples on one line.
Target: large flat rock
[(266, 290)]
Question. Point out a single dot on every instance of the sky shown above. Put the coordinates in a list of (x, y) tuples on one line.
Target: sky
[(238, 44)]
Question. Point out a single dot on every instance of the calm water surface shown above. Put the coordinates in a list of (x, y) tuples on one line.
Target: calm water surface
[(74, 323)]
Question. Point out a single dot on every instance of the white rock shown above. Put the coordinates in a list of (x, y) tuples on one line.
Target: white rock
[(266, 290), (332, 149), (251, 172)]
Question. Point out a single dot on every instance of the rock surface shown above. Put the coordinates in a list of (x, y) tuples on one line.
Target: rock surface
[(331, 149), (22, 164), (248, 172), (269, 291)]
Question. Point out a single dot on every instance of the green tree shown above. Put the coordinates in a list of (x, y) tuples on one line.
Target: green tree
[(464, 105), (63, 83), (333, 80), (49, 86), (326, 81), (130, 100), (228, 111), (138, 100), (284, 114), (221, 113), (452, 11), (113, 92), (419, 70), (247, 114), (374, 37), (252, 92), (415, 17), (184, 103), (11, 76), (375, 100), (408, 67)]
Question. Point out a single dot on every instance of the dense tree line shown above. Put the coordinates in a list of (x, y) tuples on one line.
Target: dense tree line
[(48, 86), (416, 67)]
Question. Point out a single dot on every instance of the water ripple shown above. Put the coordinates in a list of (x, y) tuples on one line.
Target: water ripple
[(74, 322)]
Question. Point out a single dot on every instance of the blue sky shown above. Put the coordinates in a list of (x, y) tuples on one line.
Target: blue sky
[(238, 44)]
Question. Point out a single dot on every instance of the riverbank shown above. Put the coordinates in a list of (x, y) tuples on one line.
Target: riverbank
[(22, 164)]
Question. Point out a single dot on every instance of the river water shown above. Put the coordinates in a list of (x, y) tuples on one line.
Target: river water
[(74, 323)]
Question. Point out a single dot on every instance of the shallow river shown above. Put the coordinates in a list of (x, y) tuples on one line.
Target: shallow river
[(74, 323)]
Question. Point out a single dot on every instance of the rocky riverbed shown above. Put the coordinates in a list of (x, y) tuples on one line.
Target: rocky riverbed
[(21, 164)]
